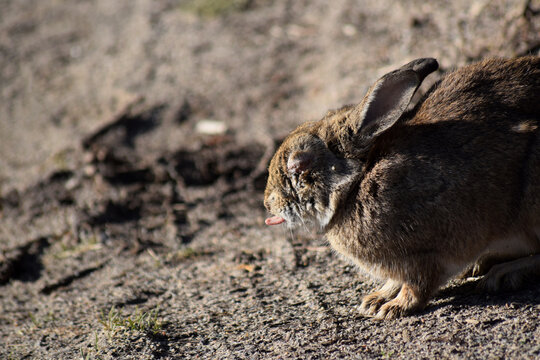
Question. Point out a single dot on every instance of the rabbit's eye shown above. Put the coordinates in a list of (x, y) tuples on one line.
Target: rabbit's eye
[(298, 181), (307, 178)]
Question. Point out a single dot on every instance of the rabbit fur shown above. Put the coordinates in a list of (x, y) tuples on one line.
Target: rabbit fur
[(414, 195)]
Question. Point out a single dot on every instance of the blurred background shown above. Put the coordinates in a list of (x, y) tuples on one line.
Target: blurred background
[(260, 67), (134, 140)]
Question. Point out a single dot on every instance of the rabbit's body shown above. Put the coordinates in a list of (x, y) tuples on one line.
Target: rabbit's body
[(434, 176), (414, 197)]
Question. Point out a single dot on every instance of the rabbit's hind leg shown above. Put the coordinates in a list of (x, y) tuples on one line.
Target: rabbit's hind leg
[(372, 302), (504, 251), (484, 263), (511, 275)]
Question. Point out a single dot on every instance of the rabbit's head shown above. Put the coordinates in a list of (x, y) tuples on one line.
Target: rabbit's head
[(303, 175), (319, 161)]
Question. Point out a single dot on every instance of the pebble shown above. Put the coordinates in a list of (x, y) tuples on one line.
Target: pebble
[(211, 127)]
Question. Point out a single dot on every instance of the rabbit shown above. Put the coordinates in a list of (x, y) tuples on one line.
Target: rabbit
[(414, 195)]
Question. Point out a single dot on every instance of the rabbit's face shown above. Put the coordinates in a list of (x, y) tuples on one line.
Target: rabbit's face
[(296, 190), (302, 177)]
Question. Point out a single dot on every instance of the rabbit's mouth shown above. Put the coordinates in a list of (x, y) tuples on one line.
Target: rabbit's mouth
[(274, 220)]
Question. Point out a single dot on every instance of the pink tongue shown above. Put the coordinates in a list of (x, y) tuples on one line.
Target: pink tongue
[(274, 220)]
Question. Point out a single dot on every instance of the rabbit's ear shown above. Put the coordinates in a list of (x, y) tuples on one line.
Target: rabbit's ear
[(388, 98)]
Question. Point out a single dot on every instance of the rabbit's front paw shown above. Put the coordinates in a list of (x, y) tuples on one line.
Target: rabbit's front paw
[(404, 303), (372, 302)]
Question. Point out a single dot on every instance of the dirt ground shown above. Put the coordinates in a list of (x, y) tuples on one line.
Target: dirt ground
[(134, 140)]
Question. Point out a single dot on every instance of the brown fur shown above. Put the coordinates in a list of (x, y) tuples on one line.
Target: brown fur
[(450, 181)]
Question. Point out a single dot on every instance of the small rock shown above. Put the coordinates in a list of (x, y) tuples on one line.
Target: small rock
[(349, 30), (89, 170), (211, 127), (72, 183)]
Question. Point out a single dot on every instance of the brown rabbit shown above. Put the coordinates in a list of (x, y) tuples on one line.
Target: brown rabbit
[(413, 197)]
